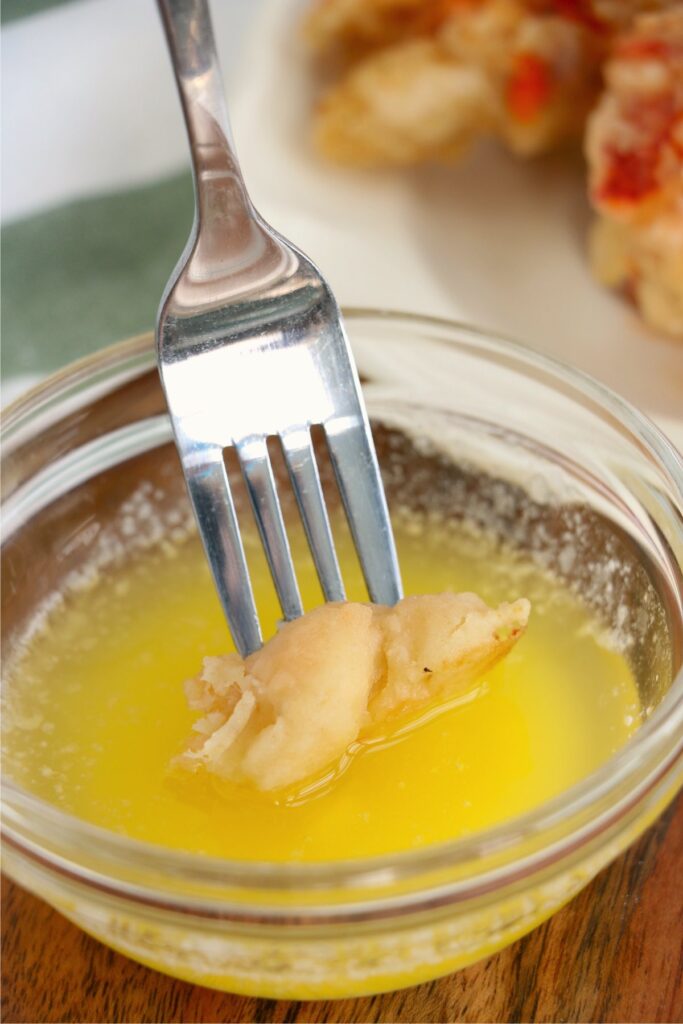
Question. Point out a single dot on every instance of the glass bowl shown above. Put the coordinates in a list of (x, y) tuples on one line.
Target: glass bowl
[(487, 429)]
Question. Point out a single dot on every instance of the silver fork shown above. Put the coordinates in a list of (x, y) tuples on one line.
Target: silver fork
[(251, 346)]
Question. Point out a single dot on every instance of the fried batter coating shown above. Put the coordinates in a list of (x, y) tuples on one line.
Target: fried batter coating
[(543, 69), (407, 103), (291, 709), (486, 68)]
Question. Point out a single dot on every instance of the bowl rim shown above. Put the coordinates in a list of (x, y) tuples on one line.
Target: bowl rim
[(365, 877)]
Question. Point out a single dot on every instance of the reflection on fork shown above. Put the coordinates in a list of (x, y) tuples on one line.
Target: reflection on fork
[(251, 347)]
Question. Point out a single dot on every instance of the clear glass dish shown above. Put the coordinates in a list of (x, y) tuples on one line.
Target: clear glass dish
[(548, 458)]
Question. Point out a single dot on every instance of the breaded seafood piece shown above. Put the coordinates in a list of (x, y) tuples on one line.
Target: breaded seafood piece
[(291, 709), (360, 24), (436, 644), (356, 25), (488, 68), (403, 104), (542, 67), (634, 146)]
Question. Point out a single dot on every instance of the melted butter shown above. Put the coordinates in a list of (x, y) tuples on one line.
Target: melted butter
[(96, 712)]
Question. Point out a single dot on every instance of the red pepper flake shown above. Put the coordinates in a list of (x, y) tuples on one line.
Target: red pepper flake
[(633, 174), (529, 87)]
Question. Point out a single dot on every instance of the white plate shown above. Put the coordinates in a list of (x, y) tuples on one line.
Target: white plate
[(493, 241)]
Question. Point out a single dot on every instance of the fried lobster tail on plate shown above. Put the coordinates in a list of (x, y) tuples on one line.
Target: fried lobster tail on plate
[(421, 79), (424, 79), (634, 146)]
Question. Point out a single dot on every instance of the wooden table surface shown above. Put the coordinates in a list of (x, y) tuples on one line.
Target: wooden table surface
[(614, 954)]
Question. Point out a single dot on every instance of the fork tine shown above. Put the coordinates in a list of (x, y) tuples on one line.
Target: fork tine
[(303, 472), (258, 475), (357, 471), (209, 489)]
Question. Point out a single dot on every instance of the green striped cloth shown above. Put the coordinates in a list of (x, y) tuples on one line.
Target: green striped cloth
[(88, 273), (10, 10), (97, 204)]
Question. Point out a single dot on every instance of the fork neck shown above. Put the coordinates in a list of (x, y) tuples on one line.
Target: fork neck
[(221, 192)]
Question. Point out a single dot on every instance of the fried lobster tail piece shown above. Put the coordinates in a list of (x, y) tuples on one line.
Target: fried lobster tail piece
[(426, 78), (634, 146), (291, 709)]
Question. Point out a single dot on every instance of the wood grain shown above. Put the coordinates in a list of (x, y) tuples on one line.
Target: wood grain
[(614, 954)]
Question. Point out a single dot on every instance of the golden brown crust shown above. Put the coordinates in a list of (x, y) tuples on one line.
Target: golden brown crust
[(357, 25), (489, 67), (407, 103)]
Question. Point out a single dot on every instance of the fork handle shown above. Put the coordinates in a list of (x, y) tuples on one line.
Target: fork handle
[(198, 76)]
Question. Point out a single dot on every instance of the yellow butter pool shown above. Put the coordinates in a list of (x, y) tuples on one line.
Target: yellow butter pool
[(96, 711)]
